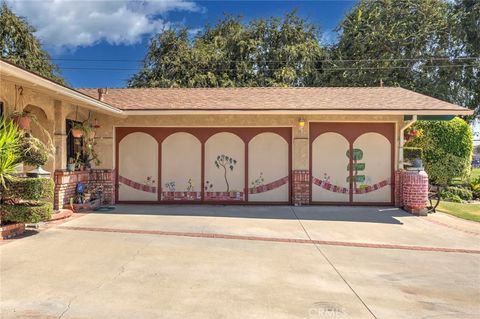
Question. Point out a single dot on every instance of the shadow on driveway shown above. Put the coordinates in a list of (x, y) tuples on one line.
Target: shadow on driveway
[(383, 215)]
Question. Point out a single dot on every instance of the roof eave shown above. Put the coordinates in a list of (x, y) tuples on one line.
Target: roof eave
[(299, 111), (33, 80)]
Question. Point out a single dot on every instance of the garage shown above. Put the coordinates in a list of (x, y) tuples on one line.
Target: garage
[(203, 165), (352, 163)]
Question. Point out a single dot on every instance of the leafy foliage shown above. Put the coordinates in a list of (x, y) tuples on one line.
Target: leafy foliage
[(265, 52), (10, 138), (27, 213), (475, 186), (34, 152), (19, 46), (452, 194), (29, 189), (447, 149)]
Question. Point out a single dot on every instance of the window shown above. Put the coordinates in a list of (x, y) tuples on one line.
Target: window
[(74, 145)]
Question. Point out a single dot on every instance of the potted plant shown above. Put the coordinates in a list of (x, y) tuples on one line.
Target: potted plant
[(71, 164), (77, 130), (22, 118)]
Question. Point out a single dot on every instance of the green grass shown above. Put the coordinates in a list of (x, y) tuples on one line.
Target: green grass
[(475, 173), (465, 211)]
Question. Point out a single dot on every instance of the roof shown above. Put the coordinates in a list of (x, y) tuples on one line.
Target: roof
[(274, 98), (12, 72)]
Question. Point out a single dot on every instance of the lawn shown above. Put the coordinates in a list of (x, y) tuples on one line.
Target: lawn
[(465, 211)]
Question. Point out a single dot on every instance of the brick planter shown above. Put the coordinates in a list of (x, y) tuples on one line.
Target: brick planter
[(66, 182), (11, 230), (415, 192)]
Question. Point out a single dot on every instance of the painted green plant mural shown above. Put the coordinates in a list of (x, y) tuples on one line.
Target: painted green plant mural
[(357, 167), (226, 163)]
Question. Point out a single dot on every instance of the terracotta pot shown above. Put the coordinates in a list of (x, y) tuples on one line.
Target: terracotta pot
[(77, 133), (23, 122)]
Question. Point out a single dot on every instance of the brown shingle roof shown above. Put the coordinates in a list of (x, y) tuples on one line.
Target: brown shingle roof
[(301, 99)]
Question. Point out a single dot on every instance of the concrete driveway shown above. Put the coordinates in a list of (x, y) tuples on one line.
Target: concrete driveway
[(245, 262)]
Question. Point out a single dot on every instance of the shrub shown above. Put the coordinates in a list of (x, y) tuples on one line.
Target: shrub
[(453, 192), (475, 186), (27, 213), (30, 189), (447, 149), (34, 152)]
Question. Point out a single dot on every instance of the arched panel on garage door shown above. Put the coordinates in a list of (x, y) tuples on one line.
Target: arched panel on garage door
[(372, 167), (181, 167), (138, 168), (330, 168), (268, 166), (224, 168)]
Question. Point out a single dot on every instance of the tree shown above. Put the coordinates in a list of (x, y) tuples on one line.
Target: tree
[(422, 45), (264, 52), (19, 46), (447, 149), (226, 162)]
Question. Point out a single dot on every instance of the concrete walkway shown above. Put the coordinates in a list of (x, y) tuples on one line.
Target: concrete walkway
[(78, 270)]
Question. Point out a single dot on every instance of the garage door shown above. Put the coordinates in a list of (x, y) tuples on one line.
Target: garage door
[(209, 165), (352, 163)]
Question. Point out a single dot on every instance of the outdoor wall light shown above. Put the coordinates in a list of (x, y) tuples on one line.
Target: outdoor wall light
[(301, 122)]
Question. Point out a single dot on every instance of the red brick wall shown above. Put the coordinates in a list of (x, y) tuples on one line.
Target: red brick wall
[(415, 191), (66, 182), (301, 187), (398, 195)]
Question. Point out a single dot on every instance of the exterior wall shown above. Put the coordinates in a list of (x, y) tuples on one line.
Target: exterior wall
[(53, 111)]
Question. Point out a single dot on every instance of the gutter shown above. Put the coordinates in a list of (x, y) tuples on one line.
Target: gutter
[(402, 140)]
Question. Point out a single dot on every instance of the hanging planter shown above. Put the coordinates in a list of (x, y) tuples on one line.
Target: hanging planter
[(77, 132), (22, 119)]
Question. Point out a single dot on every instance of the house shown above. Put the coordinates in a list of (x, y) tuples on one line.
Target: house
[(229, 145)]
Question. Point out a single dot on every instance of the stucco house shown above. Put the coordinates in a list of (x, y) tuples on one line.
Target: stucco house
[(229, 145)]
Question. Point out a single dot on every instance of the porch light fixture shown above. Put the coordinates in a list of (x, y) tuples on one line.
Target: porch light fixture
[(301, 122)]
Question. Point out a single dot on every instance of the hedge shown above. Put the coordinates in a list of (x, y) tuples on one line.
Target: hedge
[(27, 213), (452, 193), (30, 189), (447, 149)]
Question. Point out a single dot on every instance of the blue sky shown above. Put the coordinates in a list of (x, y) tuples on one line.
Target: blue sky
[(73, 31)]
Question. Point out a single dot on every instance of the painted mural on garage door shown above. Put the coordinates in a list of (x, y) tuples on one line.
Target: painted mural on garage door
[(352, 162), (329, 168), (224, 168), (268, 168), (138, 169), (371, 168), (181, 168)]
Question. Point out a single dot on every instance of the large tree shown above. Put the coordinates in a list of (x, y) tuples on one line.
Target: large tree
[(264, 52), (423, 45), (19, 46)]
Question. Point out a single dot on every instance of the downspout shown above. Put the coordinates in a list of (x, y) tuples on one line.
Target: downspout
[(402, 140)]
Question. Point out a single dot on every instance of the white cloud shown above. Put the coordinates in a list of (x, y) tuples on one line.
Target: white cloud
[(67, 24)]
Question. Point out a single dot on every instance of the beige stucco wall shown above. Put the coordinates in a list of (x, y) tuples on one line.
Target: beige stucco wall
[(56, 110)]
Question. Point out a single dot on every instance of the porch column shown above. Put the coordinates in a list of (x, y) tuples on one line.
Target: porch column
[(301, 165), (60, 135)]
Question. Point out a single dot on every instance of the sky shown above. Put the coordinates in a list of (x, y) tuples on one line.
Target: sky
[(102, 43)]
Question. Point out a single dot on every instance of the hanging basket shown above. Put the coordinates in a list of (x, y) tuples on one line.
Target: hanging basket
[(23, 122), (77, 133)]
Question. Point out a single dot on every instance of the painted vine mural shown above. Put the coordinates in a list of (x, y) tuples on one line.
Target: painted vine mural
[(226, 163)]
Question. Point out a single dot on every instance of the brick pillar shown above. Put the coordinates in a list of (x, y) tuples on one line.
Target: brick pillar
[(398, 188), (301, 187), (415, 192)]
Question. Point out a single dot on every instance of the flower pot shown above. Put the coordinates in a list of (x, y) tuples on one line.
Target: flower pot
[(77, 133), (71, 167), (23, 122)]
